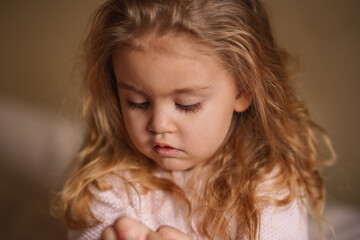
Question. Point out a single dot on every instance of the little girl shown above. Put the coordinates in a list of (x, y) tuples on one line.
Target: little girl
[(193, 129)]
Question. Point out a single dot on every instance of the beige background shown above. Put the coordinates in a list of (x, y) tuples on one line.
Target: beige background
[(39, 44)]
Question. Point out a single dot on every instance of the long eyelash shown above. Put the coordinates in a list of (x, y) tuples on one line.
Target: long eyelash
[(133, 105), (189, 108)]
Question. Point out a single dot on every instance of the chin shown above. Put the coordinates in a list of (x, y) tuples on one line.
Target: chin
[(173, 165)]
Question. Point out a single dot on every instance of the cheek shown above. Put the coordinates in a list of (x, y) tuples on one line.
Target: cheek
[(207, 132), (133, 125)]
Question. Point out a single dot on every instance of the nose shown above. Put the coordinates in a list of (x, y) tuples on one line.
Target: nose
[(161, 121)]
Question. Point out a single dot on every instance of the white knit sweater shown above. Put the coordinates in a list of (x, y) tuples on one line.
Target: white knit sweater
[(156, 209)]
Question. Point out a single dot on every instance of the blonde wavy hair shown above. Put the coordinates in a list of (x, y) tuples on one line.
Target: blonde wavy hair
[(274, 135)]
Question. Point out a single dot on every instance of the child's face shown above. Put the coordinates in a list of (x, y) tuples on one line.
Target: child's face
[(177, 102)]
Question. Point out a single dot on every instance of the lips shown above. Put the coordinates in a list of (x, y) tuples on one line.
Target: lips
[(165, 150)]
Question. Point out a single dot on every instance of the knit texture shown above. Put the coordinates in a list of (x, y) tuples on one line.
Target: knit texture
[(155, 209)]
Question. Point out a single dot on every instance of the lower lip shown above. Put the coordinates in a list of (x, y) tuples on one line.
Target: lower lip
[(166, 151)]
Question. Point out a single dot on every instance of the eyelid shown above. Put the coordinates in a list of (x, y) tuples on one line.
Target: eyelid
[(135, 105), (188, 108), (191, 108)]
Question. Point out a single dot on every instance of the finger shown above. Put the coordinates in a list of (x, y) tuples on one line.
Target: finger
[(128, 229), (154, 236), (170, 233), (109, 234)]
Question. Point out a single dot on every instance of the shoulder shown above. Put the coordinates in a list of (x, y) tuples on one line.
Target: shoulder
[(277, 185), (281, 217), (112, 191), (284, 222), (109, 199)]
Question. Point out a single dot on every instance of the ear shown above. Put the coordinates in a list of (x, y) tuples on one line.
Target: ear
[(242, 102)]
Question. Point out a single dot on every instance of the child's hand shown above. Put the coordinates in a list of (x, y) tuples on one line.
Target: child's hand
[(126, 228), (170, 233)]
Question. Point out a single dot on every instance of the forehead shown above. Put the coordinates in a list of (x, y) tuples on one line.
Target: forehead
[(171, 61), (161, 53)]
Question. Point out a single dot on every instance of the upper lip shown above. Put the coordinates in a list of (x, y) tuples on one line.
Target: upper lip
[(159, 144)]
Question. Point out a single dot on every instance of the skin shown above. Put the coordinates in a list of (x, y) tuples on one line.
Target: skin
[(126, 228), (177, 103)]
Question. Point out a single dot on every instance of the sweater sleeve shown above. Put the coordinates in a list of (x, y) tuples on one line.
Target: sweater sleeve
[(107, 206), (286, 222)]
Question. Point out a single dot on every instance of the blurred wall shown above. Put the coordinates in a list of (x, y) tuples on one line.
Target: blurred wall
[(325, 35), (39, 44)]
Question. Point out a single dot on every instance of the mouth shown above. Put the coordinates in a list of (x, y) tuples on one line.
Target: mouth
[(165, 150)]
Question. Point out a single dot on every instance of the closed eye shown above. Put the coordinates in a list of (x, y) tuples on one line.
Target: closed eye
[(184, 108), (135, 105), (189, 108)]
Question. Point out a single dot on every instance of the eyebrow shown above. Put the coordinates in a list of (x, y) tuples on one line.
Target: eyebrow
[(186, 90), (193, 89)]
